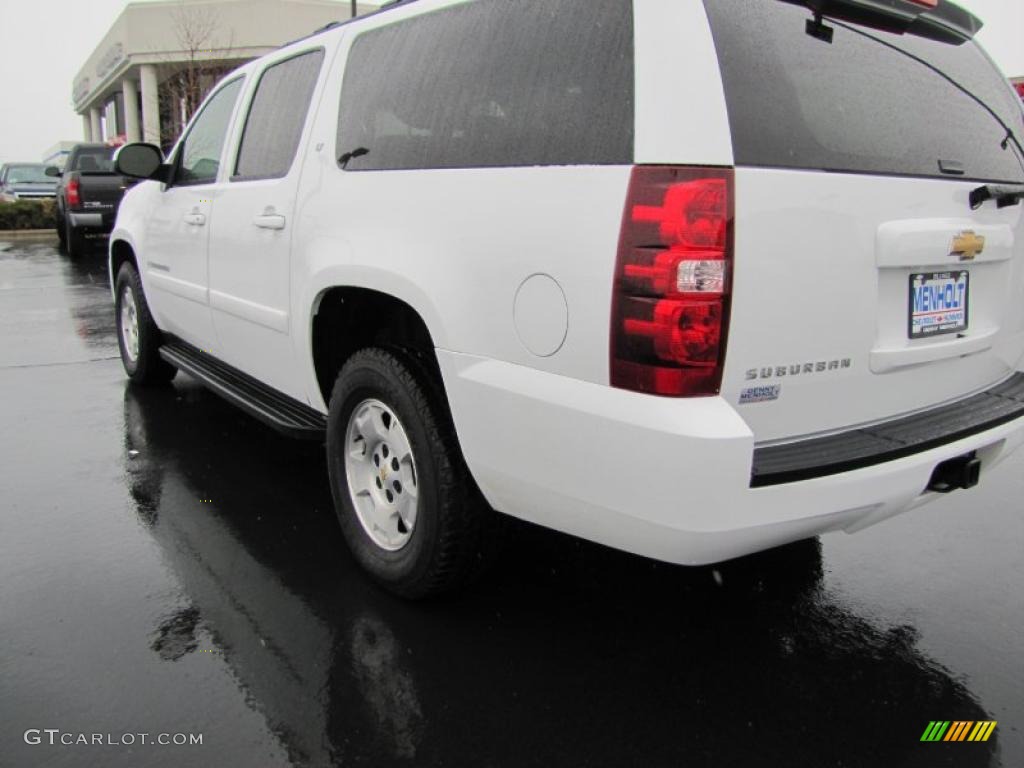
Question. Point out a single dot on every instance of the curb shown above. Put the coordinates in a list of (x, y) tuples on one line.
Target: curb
[(19, 234)]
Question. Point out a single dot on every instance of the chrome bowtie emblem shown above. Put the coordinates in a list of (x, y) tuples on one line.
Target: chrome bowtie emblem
[(967, 245)]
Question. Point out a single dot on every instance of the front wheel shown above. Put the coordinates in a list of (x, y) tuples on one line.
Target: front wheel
[(137, 335), (408, 507)]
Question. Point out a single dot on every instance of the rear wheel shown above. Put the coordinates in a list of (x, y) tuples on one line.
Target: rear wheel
[(73, 240), (408, 507), (137, 335)]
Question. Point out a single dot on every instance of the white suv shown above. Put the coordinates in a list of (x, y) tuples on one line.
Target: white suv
[(689, 278)]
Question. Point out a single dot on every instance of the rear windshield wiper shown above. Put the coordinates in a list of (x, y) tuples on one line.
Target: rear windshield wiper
[(1011, 136), (1005, 195), (933, 19)]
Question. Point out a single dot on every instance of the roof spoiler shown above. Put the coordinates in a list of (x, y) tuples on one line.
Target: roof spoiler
[(938, 20)]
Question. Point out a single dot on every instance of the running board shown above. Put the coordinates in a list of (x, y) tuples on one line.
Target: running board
[(286, 415)]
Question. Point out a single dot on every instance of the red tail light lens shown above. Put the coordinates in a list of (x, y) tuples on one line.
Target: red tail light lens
[(71, 194), (671, 298)]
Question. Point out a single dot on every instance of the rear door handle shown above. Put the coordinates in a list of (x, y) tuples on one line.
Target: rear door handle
[(269, 221), (195, 219)]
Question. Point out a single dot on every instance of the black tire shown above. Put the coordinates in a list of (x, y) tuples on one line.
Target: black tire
[(74, 241), (61, 233), (147, 367), (455, 531)]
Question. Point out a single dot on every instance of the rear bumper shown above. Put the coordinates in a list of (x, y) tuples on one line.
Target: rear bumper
[(97, 221), (668, 479), (868, 446)]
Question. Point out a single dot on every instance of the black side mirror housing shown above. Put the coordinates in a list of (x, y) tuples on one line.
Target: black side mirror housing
[(53, 171), (141, 161)]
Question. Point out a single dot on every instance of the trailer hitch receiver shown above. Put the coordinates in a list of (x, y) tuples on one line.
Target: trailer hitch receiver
[(953, 474)]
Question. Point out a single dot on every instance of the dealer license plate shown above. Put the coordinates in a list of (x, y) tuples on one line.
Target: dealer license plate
[(938, 303)]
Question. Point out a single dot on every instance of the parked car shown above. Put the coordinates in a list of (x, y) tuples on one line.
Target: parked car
[(25, 181), (689, 279), (88, 195)]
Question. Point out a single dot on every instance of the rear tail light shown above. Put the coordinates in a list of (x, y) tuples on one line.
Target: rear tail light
[(74, 199), (670, 306)]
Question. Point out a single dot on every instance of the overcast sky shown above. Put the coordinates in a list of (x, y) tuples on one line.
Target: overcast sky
[(43, 43)]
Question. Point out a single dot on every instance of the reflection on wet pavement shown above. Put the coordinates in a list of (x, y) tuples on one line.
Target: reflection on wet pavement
[(228, 590)]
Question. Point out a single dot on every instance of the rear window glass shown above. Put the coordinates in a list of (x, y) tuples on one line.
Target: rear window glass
[(492, 83), (95, 160), (861, 104)]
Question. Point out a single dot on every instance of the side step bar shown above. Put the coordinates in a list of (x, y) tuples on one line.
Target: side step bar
[(286, 415)]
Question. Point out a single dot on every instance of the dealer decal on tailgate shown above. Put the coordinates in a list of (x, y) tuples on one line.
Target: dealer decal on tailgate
[(762, 394)]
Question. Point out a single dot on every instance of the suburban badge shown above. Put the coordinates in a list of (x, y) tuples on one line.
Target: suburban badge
[(798, 369)]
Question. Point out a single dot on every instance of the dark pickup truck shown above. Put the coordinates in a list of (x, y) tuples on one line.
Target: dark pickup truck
[(88, 195)]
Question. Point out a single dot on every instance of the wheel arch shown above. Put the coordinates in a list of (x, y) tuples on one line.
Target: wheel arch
[(347, 318), (121, 251)]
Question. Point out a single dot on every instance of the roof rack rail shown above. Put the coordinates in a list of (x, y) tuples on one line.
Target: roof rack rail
[(384, 8)]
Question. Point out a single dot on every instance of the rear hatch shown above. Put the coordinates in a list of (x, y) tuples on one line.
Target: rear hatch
[(865, 285)]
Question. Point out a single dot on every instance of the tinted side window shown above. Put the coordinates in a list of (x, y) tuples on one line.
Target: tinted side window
[(278, 113), (199, 155), (492, 83), (871, 102)]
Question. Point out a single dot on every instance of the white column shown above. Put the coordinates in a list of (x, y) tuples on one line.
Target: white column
[(131, 110), (150, 104), (86, 128), (94, 124), (110, 120)]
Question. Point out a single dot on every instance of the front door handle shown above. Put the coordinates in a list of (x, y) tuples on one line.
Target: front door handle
[(269, 221), (195, 218)]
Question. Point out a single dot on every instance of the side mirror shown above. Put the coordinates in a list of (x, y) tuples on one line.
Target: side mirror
[(140, 161), (54, 171)]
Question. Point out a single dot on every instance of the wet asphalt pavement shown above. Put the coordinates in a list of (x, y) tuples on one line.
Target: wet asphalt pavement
[(168, 565)]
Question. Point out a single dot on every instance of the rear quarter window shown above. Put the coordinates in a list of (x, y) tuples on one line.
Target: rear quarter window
[(492, 83), (276, 117), (870, 102)]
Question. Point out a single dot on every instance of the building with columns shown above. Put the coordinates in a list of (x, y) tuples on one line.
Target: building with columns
[(158, 60)]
